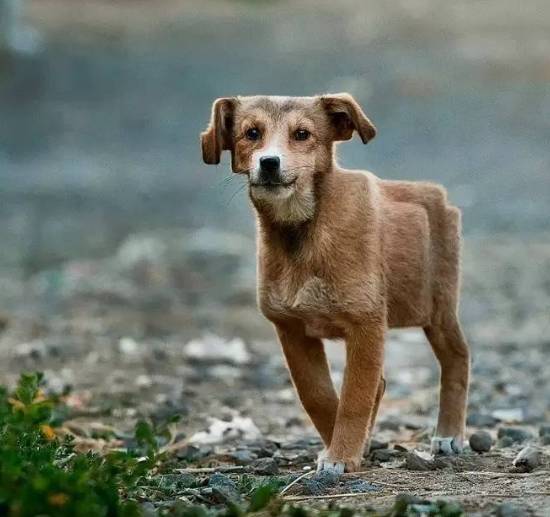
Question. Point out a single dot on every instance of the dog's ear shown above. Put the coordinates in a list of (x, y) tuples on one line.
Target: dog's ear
[(346, 115), (218, 136)]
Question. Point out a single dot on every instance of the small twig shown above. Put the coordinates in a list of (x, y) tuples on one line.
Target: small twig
[(506, 474), (329, 496), (209, 470), (433, 494), (299, 478)]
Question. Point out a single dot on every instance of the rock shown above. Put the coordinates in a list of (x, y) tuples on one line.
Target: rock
[(265, 467), (243, 456), (263, 448), (384, 455), (528, 458), (481, 420), (511, 510), (220, 431), (511, 435), (413, 461), (192, 453), (377, 444), (481, 441), (130, 347), (211, 348), (544, 433), (224, 489)]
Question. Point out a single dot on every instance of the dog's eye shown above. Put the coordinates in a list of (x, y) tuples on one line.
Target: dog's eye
[(253, 134), (301, 134)]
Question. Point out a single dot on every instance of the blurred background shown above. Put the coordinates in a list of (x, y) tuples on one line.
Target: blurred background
[(119, 248)]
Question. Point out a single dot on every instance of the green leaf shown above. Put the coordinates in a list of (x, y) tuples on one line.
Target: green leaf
[(261, 497)]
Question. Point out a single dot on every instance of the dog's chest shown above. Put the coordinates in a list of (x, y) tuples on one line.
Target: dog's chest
[(314, 301)]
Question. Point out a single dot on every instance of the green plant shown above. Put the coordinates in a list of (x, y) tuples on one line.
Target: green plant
[(41, 475)]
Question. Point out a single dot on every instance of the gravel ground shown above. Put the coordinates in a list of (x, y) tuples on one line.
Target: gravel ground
[(168, 326)]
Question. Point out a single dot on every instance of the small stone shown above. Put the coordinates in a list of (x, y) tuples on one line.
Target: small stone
[(224, 489), (481, 441), (265, 467), (413, 461), (243, 456), (377, 444), (193, 453), (510, 510), (528, 458), (384, 455), (513, 435)]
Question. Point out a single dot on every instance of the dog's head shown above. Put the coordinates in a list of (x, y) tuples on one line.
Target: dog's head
[(281, 143)]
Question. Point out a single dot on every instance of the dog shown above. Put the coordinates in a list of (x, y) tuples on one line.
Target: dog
[(343, 254)]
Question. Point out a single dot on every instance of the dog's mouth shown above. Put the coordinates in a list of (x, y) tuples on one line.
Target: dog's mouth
[(272, 185)]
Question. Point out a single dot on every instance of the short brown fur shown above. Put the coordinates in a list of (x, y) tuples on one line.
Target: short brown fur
[(344, 254)]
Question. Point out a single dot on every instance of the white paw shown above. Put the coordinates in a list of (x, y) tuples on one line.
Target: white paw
[(325, 465), (446, 445)]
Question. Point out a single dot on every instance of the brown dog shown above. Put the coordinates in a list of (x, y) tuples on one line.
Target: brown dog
[(344, 254)]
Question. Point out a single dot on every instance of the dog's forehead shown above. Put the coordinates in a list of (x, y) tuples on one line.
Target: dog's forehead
[(275, 105)]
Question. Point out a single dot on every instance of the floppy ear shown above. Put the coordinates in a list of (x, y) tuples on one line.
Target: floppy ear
[(346, 116), (218, 136)]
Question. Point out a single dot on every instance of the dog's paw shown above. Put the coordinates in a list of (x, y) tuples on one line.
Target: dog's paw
[(446, 445), (325, 463)]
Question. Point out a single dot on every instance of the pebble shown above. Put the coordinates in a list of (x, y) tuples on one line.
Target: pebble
[(223, 488), (528, 458), (265, 467), (413, 461), (243, 456), (511, 435), (377, 444), (481, 441), (384, 455)]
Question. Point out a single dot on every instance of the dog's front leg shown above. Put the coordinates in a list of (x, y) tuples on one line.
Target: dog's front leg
[(364, 365), (310, 373)]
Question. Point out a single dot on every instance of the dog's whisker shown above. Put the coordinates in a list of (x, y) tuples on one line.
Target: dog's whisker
[(238, 191)]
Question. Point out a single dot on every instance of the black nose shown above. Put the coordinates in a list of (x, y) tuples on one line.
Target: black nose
[(270, 164)]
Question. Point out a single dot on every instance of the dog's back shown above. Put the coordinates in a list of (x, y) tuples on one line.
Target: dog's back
[(422, 245)]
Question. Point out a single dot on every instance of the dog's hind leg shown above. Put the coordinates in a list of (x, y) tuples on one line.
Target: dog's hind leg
[(309, 369), (379, 395), (452, 352)]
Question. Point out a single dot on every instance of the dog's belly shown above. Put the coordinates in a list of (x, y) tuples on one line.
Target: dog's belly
[(322, 328)]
